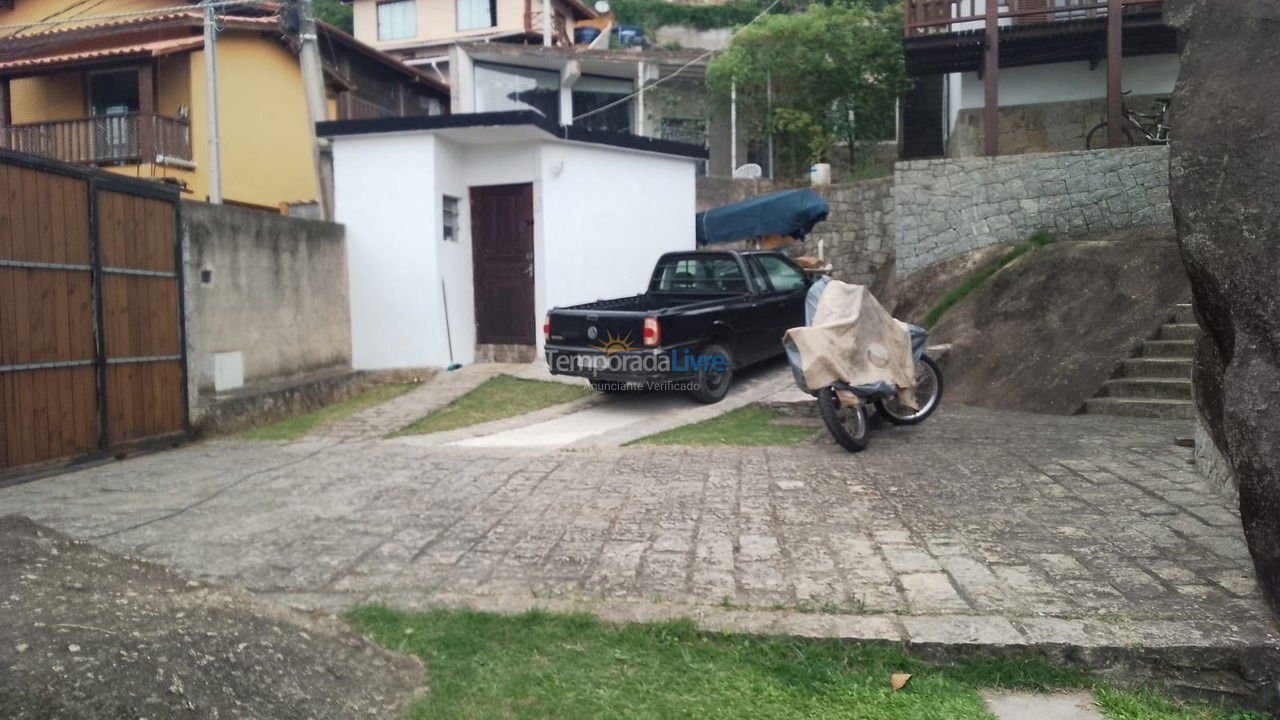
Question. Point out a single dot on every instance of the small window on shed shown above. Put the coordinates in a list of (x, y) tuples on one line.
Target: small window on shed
[(450, 219)]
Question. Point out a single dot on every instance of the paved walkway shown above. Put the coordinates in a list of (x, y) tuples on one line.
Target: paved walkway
[(604, 421), (381, 420), (979, 526)]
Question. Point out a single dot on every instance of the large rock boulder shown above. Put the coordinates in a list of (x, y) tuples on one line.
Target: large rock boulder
[(1225, 187)]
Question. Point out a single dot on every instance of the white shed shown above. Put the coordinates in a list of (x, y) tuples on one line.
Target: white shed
[(498, 217)]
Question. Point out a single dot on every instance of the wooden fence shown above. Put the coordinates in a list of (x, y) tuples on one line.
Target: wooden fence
[(91, 339)]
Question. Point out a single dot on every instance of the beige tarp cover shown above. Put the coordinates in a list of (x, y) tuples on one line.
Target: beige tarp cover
[(854, 340)]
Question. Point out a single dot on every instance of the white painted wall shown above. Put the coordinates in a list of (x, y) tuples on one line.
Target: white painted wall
[(1064, 82), (602, 216), (383, 194), (608, 215), (453, 261)]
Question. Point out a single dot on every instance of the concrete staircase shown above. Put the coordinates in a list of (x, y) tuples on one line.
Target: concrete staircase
[(1156, 383)]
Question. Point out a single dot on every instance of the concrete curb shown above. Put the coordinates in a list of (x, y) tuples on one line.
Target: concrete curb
[(1206, 661)]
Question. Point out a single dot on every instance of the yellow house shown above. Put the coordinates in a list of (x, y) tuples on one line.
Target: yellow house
[(420, 29), (122, 86)]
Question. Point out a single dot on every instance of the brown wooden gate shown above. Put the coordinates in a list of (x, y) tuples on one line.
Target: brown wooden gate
[(91, 339)]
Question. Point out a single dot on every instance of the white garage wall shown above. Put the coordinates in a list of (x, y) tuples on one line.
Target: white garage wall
[(384, 194), (609, 215)]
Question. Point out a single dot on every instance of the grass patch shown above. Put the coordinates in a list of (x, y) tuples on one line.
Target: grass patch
[(501, 396), (958, 293), (299, 425), (1151, 705), (749, 425), (540, 665)]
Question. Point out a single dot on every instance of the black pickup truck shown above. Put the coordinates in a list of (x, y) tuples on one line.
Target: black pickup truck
[(705, 314)]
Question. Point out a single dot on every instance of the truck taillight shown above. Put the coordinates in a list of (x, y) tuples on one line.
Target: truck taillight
[(652, 333), (546, 328)]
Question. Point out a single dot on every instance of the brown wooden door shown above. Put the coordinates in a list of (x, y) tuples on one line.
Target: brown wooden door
[(502, 263)]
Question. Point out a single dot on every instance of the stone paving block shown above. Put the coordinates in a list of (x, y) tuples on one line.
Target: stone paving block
[(909, 559), (757, 547), (931, 593), (962, 630), (1006, 705)]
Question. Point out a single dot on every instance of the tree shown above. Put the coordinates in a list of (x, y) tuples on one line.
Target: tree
[(334, 12), (835, 72)]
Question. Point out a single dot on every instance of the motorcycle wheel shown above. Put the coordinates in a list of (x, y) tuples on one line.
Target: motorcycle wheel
[(848, 425), (928, 394)]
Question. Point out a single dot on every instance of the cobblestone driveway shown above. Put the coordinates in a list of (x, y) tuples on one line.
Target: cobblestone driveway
[(995, 526)]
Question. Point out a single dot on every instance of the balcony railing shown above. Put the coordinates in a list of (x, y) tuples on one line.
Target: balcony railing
[(103, 140), (357, 108), (925, 17)]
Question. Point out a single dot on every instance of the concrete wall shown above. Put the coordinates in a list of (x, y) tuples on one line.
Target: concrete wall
[(946, 207), (685, 36), (271, 287)]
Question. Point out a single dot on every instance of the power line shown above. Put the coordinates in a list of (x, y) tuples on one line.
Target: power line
[(678, 70)]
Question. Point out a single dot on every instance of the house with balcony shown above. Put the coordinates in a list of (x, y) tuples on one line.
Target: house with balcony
[(1019, 76), (123, 89), (420, 31)]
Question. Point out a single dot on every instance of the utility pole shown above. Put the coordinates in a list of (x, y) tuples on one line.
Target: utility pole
[(313, 87), (211, 101), (768, 96), (733, 129)]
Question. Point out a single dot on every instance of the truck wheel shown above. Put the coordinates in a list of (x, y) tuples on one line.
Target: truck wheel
[(712, 385)]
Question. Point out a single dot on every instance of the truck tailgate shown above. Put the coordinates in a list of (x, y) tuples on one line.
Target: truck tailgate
[(597, 329)]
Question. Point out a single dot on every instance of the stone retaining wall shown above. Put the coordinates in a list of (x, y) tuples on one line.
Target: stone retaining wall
[(933, 210), (947, 207), (857, 237)]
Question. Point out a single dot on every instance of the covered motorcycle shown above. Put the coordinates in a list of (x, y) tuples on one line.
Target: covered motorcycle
[(852, 354)]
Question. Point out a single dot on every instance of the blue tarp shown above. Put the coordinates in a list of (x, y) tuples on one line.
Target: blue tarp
[(790, 212)]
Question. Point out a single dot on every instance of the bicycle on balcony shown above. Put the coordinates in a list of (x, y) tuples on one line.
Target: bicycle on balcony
[(1153, 127)]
